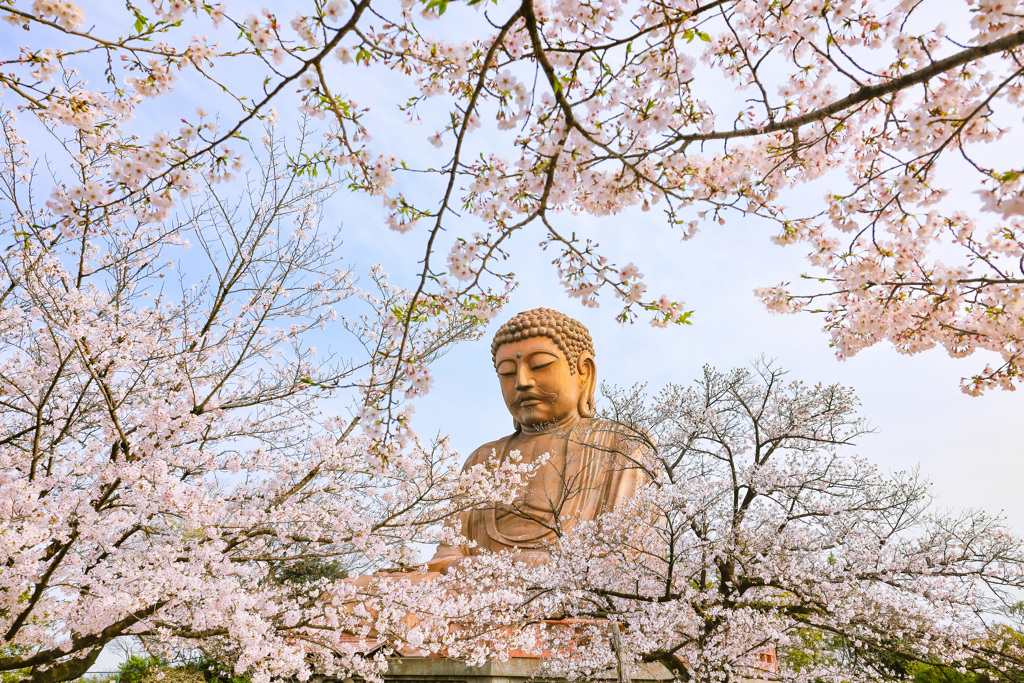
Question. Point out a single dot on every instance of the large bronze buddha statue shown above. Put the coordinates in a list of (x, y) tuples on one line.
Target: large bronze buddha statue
[(545, 365)]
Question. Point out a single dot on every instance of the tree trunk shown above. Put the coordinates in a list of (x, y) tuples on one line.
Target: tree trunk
[(65, 671), (622, 668)]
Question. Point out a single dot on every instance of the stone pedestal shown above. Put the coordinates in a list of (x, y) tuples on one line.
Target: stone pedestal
[(515, 670)]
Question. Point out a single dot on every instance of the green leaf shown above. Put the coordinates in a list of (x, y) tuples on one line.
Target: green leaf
[(439, 5), (140, 22)]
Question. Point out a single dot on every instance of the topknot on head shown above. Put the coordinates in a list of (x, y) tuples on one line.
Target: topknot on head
[(571, 337)]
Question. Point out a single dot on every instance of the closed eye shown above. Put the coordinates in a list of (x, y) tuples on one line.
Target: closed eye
[(506, 369)]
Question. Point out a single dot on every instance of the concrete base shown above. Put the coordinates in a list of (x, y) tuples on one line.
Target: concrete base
[(515, 670)]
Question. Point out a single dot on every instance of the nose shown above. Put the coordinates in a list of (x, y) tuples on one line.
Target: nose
[(524, 377)]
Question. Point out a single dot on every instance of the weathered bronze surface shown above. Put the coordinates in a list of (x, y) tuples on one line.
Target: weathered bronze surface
[(545, 366)]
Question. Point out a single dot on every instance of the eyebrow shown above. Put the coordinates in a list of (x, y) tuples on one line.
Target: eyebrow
[(527, 356)]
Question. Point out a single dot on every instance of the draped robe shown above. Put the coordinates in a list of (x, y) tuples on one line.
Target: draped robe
[(595, 471)]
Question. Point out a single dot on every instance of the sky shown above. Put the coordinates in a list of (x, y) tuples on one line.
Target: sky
[(970, 448)]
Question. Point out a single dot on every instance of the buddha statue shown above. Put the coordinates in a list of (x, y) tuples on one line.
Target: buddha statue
[(545, 366)]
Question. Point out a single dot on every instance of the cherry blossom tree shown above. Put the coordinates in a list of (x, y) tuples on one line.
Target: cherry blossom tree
[(169, 458), (541, 109), (759, 538), (167, 451)]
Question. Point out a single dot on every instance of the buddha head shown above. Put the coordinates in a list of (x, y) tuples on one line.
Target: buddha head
[(545, 365)]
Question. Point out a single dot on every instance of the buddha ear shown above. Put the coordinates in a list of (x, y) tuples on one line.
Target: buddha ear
[(587, 371)]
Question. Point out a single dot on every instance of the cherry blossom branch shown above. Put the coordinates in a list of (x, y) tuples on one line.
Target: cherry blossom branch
[(870, 92)]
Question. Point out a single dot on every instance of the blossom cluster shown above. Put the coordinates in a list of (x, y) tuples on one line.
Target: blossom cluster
[(757, 547), (626, 112), (600, 135), (168, 466)]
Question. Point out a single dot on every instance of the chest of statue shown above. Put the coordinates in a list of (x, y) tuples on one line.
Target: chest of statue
[(584, 475), (546, 492)]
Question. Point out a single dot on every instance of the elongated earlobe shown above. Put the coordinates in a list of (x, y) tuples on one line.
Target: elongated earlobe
[(587, 372), (586, 406)]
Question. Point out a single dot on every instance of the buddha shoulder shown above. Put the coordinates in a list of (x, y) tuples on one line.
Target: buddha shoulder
[(620, 436), (484, 453)]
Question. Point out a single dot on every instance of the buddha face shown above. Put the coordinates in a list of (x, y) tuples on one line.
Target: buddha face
[(537, 384)]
